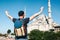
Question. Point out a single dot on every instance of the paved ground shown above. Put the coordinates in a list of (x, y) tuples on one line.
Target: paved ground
[(6, 38)]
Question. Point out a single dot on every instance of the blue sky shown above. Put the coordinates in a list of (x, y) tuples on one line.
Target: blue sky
[(32, 7)]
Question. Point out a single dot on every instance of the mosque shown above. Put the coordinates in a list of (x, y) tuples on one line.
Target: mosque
[(43, 22)]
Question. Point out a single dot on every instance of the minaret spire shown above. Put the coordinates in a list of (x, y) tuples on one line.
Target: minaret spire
[(49, 9)]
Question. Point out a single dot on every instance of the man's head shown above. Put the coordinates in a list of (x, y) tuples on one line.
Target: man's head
[(21, 14)]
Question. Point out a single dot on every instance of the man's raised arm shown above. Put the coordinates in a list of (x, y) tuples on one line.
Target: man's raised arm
[(7, 14), (35, 15)]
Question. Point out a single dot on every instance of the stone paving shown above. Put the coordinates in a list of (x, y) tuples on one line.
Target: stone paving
[(6, 38)]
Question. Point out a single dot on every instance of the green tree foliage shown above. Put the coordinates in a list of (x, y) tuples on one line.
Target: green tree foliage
[(8, 31), (58, 35), (35, 35), (40, 35), (49, 36)]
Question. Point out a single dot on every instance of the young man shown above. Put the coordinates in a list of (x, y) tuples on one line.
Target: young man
[(18, 32)]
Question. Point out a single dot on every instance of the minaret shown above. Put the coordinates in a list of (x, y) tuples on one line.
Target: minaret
[(49, 16), (49, 9)]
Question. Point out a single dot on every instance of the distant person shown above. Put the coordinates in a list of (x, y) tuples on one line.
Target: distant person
[(20, 24)]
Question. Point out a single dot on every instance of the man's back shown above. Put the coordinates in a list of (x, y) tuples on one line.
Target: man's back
[(21, 32)]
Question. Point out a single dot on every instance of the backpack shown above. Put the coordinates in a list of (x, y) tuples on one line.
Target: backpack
[(19, 28)]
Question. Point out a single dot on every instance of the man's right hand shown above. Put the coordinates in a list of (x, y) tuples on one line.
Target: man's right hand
[(41, 9), (35, 15)]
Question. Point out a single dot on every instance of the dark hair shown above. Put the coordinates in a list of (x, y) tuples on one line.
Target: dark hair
[(20, 13)]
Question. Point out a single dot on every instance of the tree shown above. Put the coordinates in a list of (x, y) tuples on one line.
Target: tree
[(36, 35), (9, 31), (49, 36), (40, 35), (58, 35)]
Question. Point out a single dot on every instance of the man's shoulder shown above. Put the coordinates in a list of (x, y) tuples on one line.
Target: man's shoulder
[(14, 19), (26, 18)]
